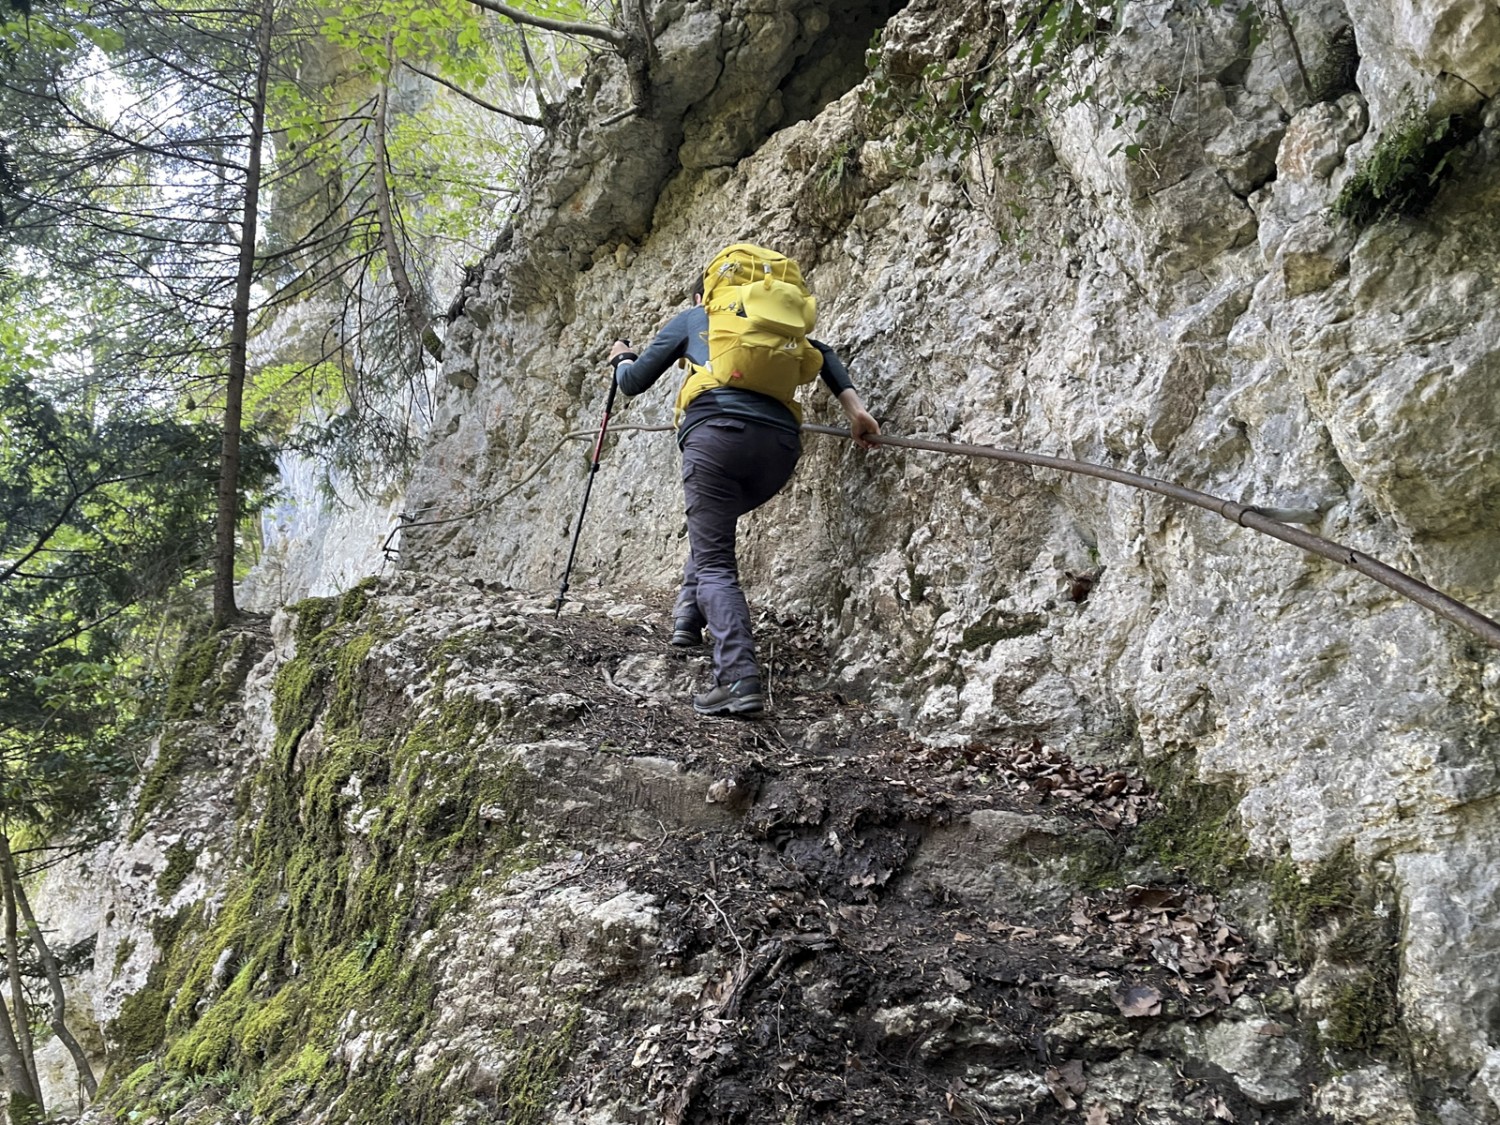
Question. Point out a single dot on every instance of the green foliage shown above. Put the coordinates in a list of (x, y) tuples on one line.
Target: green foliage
[(946, 106), (942, 109), (100, 514), (451, 31), (1052, 30), (1402, 174), (279, 396), (937, 111)]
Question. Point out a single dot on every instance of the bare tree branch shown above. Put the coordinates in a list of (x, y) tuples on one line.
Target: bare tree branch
[(523, 118), (50, 969), (610, 35), (411, 301)]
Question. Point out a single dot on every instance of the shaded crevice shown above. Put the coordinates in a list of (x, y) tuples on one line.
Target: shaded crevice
[(834, 62)]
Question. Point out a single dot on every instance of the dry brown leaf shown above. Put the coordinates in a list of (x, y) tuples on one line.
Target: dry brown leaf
[(1138, 1002), (1096, 1115), (1220, 990), (1154, 899), (1220, 1109), (1054, 1080), (1071, 1073)]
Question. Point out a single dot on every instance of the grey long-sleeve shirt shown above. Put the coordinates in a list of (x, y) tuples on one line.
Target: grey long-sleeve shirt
[(685, 336)]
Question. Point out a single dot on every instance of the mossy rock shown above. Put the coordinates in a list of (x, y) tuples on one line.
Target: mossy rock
[(997, 625), (322, 921), (1196, 829), (1341, 913)]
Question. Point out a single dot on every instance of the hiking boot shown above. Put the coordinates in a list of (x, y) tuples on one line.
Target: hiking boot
[(742, 697), (685, 634)]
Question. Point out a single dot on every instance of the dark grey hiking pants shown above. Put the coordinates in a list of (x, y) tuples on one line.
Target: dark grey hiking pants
[(730, 466)]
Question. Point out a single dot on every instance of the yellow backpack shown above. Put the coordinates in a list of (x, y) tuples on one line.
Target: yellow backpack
[(759, 315)]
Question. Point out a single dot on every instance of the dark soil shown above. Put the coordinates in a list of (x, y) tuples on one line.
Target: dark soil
[(848, 991)]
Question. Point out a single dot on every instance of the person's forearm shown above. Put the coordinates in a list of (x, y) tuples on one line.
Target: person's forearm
[(862, 425), (835, 374), (666, 347)]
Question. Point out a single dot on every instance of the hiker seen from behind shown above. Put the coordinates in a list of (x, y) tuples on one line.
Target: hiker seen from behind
[(746, 347)]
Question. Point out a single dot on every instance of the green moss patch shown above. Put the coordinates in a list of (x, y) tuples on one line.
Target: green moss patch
[(208, 675), (997, 626), (1197, 828), (1340, 913), (141, 1025), (180, 864), (322, 922), (1403, 172)]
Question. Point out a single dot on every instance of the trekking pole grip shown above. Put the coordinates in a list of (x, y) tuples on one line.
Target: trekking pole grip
[(609, 407)]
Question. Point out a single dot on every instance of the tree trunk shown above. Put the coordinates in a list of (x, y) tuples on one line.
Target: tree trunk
[(225, 611), (58, 1014), (639, 52), (15, 1034), (20, 1009), (417, 317)]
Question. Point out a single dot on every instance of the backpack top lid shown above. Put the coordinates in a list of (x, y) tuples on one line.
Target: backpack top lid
[(742, 262), (779, 302)]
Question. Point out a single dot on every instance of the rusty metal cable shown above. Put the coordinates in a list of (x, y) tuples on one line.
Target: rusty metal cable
[(1268, 521), (1246, 515)]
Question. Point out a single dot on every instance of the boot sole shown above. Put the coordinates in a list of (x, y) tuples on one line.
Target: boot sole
[(749, 706)]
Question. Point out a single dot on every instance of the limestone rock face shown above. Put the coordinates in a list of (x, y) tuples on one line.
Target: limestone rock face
[(1191, 310)]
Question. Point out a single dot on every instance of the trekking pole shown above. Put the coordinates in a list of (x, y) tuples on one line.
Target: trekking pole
[(609, 405)]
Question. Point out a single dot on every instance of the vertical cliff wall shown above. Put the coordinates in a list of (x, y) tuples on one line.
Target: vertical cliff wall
[(1140, 268)]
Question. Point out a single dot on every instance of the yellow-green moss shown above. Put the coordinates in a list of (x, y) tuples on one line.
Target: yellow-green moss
[(209, 673), (528, 1084), (313, 616), (1362, 1015), (141, 1025), (195, 665), (122, 954), (1339, 912), (138, 1077), (317, 928), (23, 1111), (1403, 171), (356, 600), (180, 863), (1305, 901), (1196, 827)]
